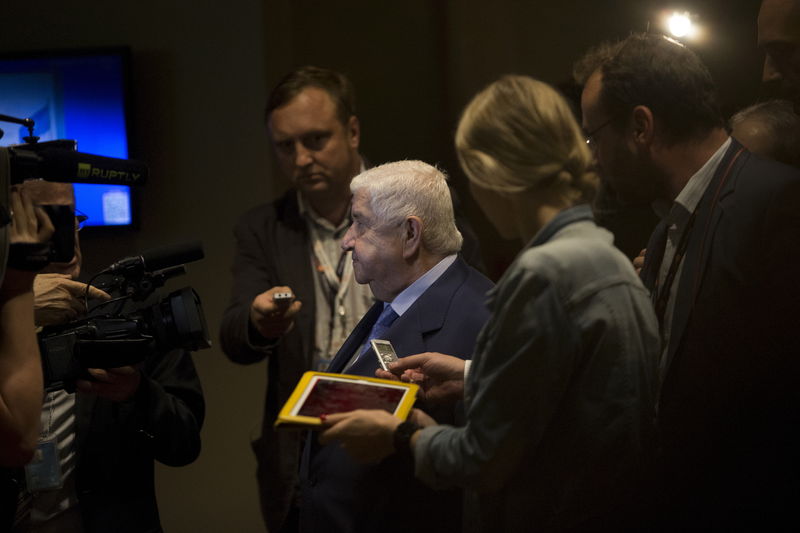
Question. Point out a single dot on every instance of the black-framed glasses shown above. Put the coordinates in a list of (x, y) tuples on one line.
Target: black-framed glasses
[(80, 218), (591, 135)]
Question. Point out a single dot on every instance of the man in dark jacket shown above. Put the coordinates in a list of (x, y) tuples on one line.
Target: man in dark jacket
[(293, 245), (106, 435)]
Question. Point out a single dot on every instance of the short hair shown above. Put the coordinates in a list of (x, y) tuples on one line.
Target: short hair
[(413, 188), (781, 126), (662, 74), (336, 84), (520, 134)]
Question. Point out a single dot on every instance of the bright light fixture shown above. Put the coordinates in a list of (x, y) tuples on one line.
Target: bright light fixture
[(680, 25)]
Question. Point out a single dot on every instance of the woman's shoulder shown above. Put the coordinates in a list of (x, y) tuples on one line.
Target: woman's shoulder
[(571, 262)]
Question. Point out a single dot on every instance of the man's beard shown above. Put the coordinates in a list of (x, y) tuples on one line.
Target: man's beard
[(632, 179)]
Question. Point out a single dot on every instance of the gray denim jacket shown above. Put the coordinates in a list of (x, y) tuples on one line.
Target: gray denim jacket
[(561, 393)]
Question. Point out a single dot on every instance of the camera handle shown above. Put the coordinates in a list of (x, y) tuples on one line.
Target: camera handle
[(27, 122), (140, 289)]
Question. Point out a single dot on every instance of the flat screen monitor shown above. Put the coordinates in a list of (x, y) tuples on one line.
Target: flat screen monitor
[(77, 95)]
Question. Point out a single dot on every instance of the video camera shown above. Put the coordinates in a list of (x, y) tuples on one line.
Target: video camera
[(134, 324), (57, 161)]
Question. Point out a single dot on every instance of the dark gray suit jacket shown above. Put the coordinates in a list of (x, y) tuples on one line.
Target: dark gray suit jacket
[(272, 248), (116, 444), (729, 409)]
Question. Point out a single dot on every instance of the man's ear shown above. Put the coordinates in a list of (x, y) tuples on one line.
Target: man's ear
[(353, 132), (412, 235), (644, 128)]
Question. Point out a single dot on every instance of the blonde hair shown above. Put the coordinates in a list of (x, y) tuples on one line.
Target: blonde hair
[(519, 134)]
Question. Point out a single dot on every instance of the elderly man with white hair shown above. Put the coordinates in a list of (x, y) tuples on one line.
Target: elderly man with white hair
[(405, 246)]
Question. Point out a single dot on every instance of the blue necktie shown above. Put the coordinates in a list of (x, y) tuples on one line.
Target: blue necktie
[(384, 322)]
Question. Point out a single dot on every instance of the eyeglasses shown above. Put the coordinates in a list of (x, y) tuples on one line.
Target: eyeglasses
[(80, 218), (591, 135)]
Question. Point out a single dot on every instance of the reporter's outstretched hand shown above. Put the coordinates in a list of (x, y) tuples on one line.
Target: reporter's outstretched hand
[(270, 318), (440, 376)]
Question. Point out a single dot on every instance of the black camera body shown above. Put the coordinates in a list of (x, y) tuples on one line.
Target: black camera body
[(62, 243), (134, 324), (58, 161)]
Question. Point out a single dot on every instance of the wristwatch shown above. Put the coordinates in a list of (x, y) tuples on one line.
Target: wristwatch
[(402, 437)]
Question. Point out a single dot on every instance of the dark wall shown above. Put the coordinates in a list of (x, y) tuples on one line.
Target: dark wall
[(201, 72), (198, 90), (417, 63)]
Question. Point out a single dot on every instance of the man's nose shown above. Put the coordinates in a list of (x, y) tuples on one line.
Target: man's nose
[(771, 72), (347, 240), (302, 156)]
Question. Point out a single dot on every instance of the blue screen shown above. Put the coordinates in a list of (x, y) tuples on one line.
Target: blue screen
[(79, 97)]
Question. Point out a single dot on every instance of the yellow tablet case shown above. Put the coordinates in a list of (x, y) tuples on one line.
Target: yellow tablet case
[(289, 416)]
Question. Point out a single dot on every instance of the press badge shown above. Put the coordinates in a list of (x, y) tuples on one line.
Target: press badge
[(44, 470)]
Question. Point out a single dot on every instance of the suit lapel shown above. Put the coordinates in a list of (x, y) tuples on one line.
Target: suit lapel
[(407, 334), (654, 255), (425, 315), (710, 212), (355, 339)]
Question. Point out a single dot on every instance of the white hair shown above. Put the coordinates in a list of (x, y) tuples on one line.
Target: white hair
[(779, 130), (413, 188)]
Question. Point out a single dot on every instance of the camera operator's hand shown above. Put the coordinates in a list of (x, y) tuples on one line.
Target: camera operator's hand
[(273, 319), (115, 384), (58, 299), (20, 364), (28, 222), (30, 225)]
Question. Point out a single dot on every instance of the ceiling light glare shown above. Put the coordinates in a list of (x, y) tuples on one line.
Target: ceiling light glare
[(680, 25)]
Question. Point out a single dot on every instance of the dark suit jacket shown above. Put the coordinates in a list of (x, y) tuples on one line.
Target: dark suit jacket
[(272, 248), (117, 443), (339, 494), (728, 409)]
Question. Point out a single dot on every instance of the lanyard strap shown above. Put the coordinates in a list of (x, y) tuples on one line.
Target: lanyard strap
[(662, 294), (337, 278), (50, 398)]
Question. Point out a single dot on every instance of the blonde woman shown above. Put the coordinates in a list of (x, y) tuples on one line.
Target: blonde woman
[(560, 394)]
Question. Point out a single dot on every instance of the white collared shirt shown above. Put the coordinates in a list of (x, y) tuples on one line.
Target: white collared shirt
[(339, 303), (677, 218), (409, 295), (403, 301)]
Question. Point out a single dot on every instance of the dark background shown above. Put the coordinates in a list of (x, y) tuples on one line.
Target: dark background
[(201, 71)]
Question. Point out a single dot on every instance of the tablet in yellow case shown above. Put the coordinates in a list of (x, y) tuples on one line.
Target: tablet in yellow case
[(319, 393)]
